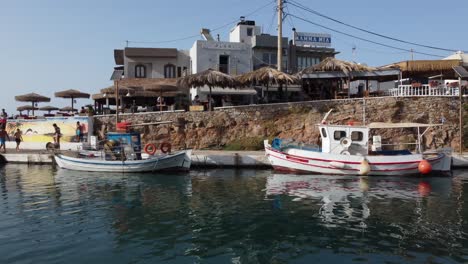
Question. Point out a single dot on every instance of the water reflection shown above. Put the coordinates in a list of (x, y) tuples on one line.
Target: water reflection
[(220, 216)]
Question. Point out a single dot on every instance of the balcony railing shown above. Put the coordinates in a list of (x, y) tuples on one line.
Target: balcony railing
[(423, 90)]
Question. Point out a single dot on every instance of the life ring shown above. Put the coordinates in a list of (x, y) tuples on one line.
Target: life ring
[(345, 142), (165, 147), (150, 148), (345, 152)]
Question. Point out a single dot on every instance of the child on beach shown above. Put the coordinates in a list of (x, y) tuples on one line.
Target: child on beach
[(18, 138), (3, 137), (79, 132)]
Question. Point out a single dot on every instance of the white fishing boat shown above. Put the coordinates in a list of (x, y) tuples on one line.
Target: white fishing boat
[(345, 149), (174, 161), (122, 152)]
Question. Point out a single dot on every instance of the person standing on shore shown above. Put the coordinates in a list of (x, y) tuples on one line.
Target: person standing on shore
[(18, 138), (57, 135), (3, 137), (79, 132), (4, 117)]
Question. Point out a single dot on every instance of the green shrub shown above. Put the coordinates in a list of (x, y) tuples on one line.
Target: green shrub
[(247, 143)]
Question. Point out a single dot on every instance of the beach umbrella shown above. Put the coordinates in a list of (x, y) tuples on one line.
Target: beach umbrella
[(266, 76), (72, 94), (33, 98), (331, 64), (210, 78), (163, 86), (26, 108), (68, 109), (49, 108)]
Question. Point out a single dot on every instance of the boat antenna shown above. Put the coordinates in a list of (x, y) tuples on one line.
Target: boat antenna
[(324, 120)]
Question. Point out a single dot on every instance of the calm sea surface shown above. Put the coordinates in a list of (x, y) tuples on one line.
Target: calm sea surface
[(229, 216)]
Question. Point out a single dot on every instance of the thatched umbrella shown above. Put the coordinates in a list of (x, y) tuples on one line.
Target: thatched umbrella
[(333, 64), (266, 76), (209, 77), (68, 109), (26, 108), (72, 94), (48, 108), (33, 98), (165, 85)]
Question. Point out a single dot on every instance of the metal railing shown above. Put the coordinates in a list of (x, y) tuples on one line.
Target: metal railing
[(424, 90)]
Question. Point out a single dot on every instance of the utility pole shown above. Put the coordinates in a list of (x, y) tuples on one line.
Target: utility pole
[(412, 57), (280, 35)]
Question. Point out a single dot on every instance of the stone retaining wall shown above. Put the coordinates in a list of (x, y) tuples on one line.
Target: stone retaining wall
[(246, 126)]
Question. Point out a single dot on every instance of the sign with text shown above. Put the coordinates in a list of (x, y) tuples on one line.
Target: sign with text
[(312, 39), (223, 45)]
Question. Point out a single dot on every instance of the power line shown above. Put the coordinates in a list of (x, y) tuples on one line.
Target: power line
[(299, 5), (271, 21), (290, 19), (363, 39), (197, 35)]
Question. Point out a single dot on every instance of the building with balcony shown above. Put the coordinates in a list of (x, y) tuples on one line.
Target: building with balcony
[(152, 62)]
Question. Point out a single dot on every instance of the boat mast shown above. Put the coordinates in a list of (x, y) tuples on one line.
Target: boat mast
[(280, 34)]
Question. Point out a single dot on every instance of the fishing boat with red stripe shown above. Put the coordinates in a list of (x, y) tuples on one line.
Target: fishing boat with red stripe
[(348, 150)]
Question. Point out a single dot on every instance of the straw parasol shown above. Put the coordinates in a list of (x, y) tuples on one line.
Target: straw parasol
[(33, 98), (164, 85), (209, 77), (72, 94), (68, 109), (266, 76), (49, 108), (26, 108), (336, 65)]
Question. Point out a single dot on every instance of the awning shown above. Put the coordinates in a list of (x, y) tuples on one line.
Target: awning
[(400, 125), (274, 88), (355, 74), (227, 91)]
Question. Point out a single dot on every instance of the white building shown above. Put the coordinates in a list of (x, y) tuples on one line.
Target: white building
[(232, 57)]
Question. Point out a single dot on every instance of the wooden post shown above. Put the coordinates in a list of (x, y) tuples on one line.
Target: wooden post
[(116, 103)]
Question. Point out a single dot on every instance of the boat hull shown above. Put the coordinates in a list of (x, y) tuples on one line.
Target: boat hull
[(303, 161), (177, 161)]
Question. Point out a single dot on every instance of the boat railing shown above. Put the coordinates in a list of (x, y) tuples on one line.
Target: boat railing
[(423, 90)]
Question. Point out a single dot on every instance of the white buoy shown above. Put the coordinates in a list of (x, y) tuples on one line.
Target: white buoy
[(364, 168)]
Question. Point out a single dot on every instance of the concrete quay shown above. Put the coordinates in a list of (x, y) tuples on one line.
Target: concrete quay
[(200, 158)]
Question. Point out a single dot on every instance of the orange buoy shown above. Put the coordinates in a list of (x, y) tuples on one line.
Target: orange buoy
[(150, 148), (165, 147), (424, 167)]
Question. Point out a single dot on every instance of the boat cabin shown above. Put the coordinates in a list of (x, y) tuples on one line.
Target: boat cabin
[(354, 140), (345, 140)]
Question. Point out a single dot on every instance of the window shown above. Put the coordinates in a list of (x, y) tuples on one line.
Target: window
[(324, 132), (224, 64), (140, 71), (249, 32), (179, 71), (339, 134), (169, 71), (357, 136)]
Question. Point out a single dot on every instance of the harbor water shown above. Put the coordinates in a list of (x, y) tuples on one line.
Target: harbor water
[(230, 216)]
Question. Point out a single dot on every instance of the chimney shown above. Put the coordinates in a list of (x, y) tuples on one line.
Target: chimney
[(206, 34)]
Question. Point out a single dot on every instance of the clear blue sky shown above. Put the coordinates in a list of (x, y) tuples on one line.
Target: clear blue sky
[(48, 46)]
